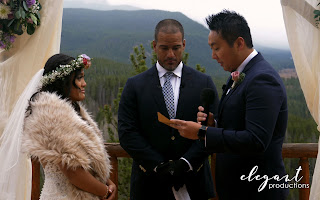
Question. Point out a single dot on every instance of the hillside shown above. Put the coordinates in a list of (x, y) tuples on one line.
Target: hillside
[(112, 34)]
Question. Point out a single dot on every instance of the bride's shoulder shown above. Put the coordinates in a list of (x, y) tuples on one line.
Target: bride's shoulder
[(50, 100)]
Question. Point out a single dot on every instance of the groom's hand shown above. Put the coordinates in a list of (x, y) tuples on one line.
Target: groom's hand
[(180, 167), (165, 168)]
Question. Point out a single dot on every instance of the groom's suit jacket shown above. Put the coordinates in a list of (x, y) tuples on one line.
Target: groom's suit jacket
[(252, 121), (150, 142)]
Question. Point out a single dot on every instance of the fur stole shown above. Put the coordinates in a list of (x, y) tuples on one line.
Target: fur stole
[(55, 133)]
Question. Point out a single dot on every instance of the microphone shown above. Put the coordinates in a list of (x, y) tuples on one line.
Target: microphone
[(224, 86), (207, 98)]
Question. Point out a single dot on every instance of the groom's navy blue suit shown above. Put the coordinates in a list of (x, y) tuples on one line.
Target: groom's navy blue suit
[(252, 121), (150, 142)]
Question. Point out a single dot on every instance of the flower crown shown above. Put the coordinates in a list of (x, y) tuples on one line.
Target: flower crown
[(64, 70)]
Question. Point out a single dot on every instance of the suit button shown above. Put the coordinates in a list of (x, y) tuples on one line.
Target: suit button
[(172, 138)]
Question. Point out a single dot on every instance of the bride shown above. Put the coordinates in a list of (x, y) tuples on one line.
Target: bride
[(60, 133)]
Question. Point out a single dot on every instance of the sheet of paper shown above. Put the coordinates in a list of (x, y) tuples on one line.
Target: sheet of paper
[(181, 194), (163, 119)]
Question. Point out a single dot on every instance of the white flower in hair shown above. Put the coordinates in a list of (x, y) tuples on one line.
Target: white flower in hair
[(64, 70)]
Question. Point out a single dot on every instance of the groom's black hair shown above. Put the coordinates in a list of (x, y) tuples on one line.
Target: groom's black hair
[(168, 26), (230, 25)]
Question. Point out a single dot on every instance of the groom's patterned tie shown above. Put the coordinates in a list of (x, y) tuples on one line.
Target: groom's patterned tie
[(168, 94)]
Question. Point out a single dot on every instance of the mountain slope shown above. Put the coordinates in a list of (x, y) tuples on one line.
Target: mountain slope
[(112, 34)]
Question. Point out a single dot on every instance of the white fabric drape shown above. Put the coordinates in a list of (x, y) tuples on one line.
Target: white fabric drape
[(17, 67), (15, 168), (304, 42), (28, 55)]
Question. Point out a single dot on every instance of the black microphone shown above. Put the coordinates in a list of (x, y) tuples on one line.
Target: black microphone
[(207, 98)]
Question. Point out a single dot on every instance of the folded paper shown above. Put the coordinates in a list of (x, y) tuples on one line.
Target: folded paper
[(163, 119)]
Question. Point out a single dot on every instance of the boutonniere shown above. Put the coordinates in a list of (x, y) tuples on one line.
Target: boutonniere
[(237, 78)]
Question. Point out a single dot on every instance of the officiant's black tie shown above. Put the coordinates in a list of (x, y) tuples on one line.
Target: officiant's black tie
[(227, 86), (167, 91)]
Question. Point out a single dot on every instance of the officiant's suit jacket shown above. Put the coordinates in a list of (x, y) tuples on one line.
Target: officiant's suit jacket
[(252, 121), (150, 142)]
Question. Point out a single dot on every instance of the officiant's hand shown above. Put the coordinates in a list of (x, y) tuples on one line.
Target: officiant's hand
[(201, 116), (187, 129)]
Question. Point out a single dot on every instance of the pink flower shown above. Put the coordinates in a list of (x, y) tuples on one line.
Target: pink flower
[(30, 21), (10, 16), (235, 76), (5, 1), (86, 61)]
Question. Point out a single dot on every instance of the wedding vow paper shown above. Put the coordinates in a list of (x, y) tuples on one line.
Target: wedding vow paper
[(163, 119)]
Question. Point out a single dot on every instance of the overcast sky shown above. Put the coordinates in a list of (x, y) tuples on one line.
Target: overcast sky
[(264, 17)]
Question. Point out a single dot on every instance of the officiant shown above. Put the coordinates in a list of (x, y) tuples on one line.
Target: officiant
[(252, 116)]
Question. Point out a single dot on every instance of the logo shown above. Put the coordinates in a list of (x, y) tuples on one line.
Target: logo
[(288, 181)]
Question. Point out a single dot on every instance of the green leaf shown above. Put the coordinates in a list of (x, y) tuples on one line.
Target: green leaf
[(11, 4), (38, 15), (316, 12), (18, 14), (18, 29), (30, 29), (23, 14), (34, 19), (25, 6), (9, 24)]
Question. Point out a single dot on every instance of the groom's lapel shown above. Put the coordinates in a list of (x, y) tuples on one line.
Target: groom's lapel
[(156, 91), (185, 85)]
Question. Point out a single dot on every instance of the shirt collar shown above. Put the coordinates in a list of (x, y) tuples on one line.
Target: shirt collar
[(247, 60), (162, 71)]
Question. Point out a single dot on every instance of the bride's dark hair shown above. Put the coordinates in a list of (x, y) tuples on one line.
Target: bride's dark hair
[(61, 87)]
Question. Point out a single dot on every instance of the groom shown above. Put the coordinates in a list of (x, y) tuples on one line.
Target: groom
[(162, 159), (252, 115)]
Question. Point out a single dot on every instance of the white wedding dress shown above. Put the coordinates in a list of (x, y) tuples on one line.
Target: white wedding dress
[(55, 184)]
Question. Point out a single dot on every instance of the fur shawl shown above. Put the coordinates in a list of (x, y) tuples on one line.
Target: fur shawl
[(55, 133)]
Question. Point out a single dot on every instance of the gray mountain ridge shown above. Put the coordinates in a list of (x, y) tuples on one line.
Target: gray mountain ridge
[(112, 34)]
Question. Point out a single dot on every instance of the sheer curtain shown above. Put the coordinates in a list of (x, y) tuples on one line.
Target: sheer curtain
[(28, 55), (17, 67), (304, 42)]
